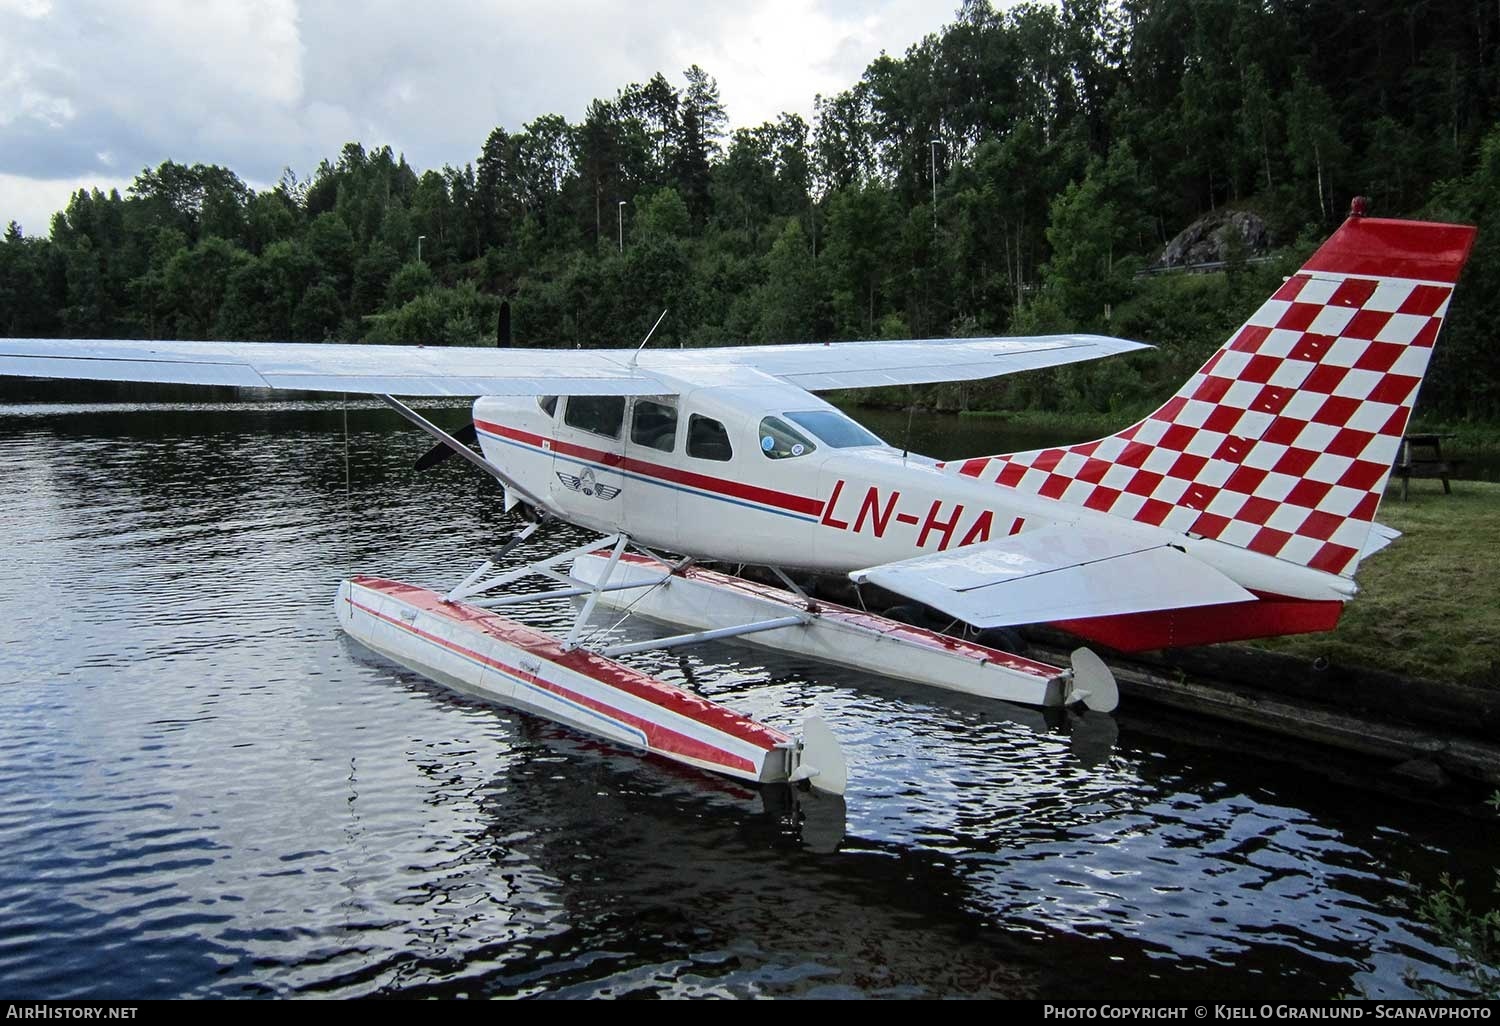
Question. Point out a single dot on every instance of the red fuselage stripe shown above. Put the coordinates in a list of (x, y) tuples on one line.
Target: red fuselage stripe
[(765, 496)]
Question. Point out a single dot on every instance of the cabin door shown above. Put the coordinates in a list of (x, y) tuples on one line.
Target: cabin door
[(588, 450), (653, 454)]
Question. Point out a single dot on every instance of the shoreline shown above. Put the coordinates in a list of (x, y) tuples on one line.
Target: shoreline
[(1366, 689)]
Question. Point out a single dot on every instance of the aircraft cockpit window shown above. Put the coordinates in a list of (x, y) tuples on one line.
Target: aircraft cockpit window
[(707, 439), (833, 428), (654, 425), (600, 414), (548, 403), (780, 441)]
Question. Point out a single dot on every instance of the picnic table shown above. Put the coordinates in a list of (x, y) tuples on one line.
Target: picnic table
[(1421, 455)]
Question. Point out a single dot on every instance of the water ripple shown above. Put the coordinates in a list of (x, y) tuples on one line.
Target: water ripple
[(209, 792)]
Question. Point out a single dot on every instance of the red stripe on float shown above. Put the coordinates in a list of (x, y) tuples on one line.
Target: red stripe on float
[(588, 664), (833, 611)]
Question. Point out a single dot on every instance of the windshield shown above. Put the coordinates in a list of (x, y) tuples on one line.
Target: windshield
[(833, 428)]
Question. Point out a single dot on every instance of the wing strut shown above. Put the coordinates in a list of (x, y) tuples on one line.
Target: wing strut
[(444, 438)]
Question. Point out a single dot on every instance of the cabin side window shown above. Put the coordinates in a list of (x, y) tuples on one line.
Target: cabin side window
[(548, 403), (780, 441), (707, 439), (599, 414), (654, 425)]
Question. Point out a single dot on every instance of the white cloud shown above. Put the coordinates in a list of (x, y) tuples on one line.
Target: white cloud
[(92, 89), (33, 201), (777, 55), (26, 8)]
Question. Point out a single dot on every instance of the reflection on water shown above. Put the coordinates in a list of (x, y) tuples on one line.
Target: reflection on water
[(208, 791)]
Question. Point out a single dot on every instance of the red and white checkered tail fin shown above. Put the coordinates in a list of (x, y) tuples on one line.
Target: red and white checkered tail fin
[(1282, 443)]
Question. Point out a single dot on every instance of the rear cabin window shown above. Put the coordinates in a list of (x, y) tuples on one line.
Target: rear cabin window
[(600, 414), (707, 439), (780, 441), (548, 403), (654, 425)]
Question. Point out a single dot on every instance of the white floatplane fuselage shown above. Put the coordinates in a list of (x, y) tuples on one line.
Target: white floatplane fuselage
[(772, 475)]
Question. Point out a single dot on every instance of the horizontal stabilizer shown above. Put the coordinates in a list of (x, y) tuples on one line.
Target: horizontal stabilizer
[(1055, 573), (1380, 536)]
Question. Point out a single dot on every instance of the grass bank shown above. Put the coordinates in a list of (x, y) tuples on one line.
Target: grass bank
[(1429, 604)]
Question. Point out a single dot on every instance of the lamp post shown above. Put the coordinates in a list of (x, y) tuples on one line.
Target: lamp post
[(935, 144), (419, 247), (620, 209)]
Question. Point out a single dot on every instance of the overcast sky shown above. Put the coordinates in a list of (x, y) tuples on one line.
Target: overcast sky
[(93, 91)]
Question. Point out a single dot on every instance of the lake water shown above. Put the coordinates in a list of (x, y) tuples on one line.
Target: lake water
[(206, 791)]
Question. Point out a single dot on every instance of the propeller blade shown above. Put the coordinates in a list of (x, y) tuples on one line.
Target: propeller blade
[(438, 453)]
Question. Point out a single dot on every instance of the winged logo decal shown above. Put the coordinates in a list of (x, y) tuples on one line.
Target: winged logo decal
[(586, 484)]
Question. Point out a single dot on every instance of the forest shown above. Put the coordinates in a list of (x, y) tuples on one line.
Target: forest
[(1013, 172)]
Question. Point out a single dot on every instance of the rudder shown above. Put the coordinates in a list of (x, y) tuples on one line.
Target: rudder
[(1283, 442)]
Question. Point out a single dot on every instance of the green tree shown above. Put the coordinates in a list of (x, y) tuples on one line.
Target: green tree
[(372, 276), (657, 274), (1313, 139), (270, 217), (1095, 224), (194, 283), (1256, 131), (789, 300), (700, 127), (863, 224), (28, 305), (262, 295), (331, 245), (458, 316), (410, 281), (318, 313), (197, 200)]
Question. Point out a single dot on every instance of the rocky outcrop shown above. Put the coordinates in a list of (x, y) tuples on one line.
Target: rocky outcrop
[(1209, 239)]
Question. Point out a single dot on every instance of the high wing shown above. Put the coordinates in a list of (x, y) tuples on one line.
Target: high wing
[(332, 367), (466, 371), (1055, 573), (825, 365)]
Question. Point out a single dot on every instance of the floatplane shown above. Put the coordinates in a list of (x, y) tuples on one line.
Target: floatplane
[(1241, 508)]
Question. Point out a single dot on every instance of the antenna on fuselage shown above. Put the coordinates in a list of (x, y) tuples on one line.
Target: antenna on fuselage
[(637, 354), (911, 411)]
